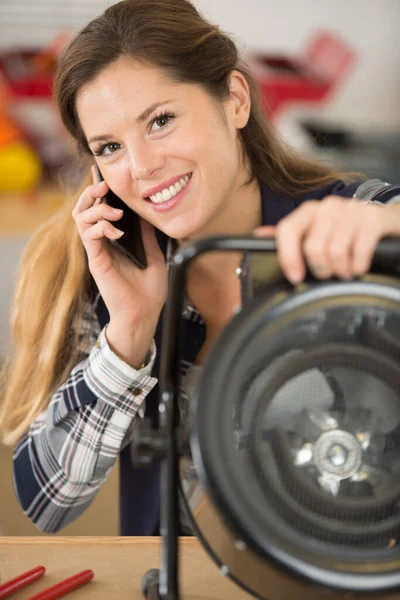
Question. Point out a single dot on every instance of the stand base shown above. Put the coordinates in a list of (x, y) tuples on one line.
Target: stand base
[(150, 585)]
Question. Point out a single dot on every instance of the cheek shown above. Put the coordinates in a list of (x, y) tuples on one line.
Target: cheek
[(123, 189), (223, 161), (118, 178), (212, 150)]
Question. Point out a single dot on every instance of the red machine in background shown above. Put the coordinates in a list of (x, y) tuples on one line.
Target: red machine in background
[(310, 78)]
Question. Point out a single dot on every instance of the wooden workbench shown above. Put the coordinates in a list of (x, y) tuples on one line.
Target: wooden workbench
[(118, 564)]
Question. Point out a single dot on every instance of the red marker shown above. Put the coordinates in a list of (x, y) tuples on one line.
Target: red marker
[(65, 586), (8, 588)]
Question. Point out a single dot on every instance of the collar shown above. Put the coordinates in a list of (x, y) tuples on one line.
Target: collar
[(274, 207)]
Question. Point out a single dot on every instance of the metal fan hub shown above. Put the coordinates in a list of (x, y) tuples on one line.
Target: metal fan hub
[(338, 454)]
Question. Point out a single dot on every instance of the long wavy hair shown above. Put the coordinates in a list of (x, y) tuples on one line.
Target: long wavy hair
[(53, 277)]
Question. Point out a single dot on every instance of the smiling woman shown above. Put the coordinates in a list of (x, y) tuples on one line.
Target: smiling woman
[(160, 100), (190, 139)]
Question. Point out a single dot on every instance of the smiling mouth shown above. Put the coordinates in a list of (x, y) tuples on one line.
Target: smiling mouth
[(171, 191)]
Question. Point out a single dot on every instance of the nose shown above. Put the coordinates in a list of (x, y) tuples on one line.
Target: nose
[(145, 160)]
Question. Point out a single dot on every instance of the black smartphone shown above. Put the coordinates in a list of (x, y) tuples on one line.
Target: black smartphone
[(131, 244)]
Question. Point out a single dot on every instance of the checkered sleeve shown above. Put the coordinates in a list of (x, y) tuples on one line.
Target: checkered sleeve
[(69, 450)]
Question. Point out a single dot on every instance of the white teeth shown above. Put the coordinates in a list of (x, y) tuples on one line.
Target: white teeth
[(168, 193)]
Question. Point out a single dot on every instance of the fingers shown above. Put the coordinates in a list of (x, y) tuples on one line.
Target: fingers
[(92, 218), (334, 237), (102, 229), (95, 174), (328, 245), (97, 212), (377, 223), (265, 231), (89, 196), (93, 240), (290, 234), (359, 230)]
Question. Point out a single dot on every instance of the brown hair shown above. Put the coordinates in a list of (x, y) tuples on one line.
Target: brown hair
[(172, 35), (53, 278)]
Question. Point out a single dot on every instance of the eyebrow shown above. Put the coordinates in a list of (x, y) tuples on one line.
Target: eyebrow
[(141, 118)]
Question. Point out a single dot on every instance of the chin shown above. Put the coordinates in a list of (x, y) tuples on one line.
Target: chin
[(184, 231)]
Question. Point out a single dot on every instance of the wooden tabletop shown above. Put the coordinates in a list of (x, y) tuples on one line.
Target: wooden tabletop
[(22, 214), (118, 564)]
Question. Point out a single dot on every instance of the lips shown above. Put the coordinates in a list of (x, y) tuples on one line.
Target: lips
[(170, 192), (162, 206), (163, 186)]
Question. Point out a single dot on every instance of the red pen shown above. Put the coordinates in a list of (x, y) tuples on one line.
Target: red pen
[(64, 587), (8, 588)]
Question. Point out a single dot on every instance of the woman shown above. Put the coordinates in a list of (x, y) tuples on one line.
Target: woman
[(158, 98)]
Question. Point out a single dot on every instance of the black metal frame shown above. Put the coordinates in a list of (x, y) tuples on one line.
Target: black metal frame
[(166, 585)]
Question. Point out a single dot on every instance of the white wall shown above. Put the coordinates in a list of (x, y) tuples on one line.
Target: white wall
[(371, 95)]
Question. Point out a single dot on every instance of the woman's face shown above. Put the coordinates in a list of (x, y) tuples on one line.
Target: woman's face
[(169, 151)]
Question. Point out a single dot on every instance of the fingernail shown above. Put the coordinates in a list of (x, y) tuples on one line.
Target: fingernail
[(117, 211), (118, 233), (262, 232), (294, 278)]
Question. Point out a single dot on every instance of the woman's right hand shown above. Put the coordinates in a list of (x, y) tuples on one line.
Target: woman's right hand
[(134, 297)]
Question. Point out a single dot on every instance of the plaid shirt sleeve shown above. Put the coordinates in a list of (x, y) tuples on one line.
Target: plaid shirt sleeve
[(65, 457)]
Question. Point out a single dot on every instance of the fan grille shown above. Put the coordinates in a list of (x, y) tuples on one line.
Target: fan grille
[(325, 445)]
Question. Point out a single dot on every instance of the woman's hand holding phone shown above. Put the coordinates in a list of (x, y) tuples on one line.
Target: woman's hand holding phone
[(134, 297)]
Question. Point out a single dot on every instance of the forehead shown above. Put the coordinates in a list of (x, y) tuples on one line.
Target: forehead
[(126, 81)]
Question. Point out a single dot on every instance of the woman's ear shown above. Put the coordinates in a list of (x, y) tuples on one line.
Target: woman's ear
[(239, 95)]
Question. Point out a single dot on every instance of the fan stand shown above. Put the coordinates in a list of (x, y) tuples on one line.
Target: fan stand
[(162, 584), (166, 442), (150, 584)]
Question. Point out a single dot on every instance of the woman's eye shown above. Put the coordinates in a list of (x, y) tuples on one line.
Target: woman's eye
[(106, 149), (160, 122), (112, 148)]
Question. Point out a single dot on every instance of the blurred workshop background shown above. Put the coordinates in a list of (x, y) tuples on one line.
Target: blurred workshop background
[(330, 77)]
